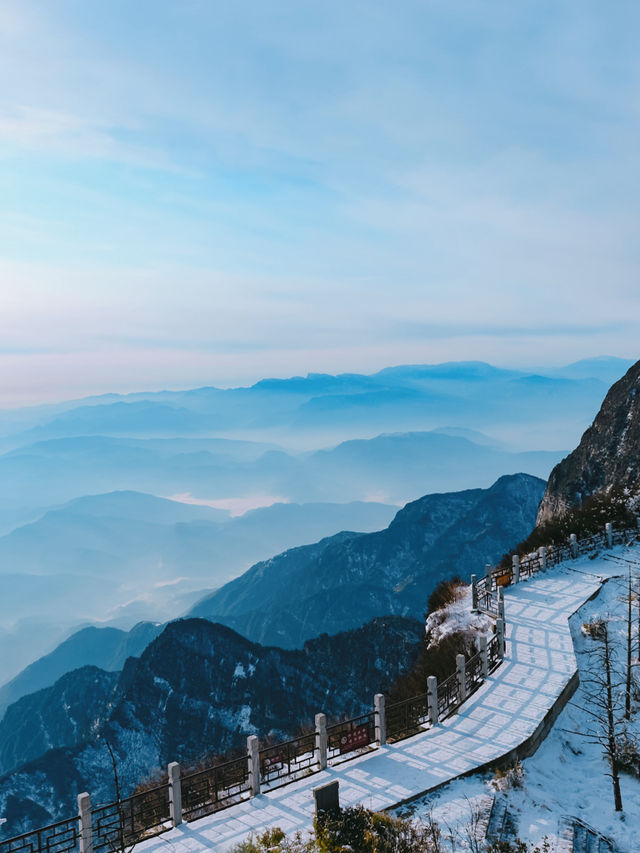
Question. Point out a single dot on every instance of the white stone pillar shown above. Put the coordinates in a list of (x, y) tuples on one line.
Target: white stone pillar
[(573, 541), (253, 756), (461, 674), (432, 699), (484, 655), (321, 741), (542, 551), (474, 592), (501, 602), (380, 718), (175, 793), (515, 560), (84, 823), (500, 636), (608, 529)]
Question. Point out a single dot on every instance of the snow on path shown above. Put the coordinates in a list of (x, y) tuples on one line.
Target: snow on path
[(500, 716)]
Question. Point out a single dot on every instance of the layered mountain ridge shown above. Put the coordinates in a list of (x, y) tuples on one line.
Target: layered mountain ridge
[(345, 580)]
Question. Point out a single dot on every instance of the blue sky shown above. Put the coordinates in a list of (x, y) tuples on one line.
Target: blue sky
[(202, 192)]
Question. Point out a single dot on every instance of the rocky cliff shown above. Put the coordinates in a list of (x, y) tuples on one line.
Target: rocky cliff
[(607, 458)]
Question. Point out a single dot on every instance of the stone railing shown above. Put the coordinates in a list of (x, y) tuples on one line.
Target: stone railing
[(188, 796), (487, 591)]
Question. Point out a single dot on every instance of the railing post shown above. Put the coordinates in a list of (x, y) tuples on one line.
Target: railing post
[(432, 699), (543, 557), (500, 636), (609, 534), (380, 718), (515, 560), (461, 674), (84, 823), (175, 793), (474, 592), (253, 756), (484, 655), (501, 602), (573, 541), (321, 741)]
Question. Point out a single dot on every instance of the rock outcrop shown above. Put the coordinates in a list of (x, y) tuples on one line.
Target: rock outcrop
[(607, 458)]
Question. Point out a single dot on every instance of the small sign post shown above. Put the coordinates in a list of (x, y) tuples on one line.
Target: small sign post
[(327, 798)]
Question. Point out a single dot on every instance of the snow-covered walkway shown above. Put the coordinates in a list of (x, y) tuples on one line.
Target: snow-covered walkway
[(502, 715)]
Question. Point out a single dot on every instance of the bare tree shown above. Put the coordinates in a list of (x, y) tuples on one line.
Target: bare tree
[(628, 598), (627, 692), (117, 844), (474, 831), (604, 687)]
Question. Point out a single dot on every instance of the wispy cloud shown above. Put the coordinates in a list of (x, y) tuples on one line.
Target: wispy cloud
[(206, 192)]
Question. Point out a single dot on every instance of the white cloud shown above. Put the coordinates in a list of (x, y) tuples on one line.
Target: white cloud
[(184, 185)]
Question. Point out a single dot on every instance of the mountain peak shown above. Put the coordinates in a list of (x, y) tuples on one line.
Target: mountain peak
[(607, 456)]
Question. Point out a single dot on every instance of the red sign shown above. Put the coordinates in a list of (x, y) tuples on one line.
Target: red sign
[(354, 739)]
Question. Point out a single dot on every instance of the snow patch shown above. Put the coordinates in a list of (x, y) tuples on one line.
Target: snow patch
[(457, 618)]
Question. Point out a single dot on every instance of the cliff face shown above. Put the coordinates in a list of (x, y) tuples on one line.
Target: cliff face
[(608, 456)]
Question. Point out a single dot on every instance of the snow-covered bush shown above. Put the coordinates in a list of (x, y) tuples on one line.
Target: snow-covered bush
[(512, 777), (457, 618), (628, 755), (351, 830), (594, 628)]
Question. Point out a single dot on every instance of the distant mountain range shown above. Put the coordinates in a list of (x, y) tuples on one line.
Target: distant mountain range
[(105, 648), (126, 557), (67, 560), (383, 438), (472, 394), (195, 686), (396, 467), (345, 580), (437, 536)]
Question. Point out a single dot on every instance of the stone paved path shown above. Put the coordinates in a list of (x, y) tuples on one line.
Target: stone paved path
[(503, 713)]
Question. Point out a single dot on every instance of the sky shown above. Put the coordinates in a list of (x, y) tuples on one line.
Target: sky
[(207, 192)]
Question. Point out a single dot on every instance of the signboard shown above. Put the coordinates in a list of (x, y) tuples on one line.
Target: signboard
[(357, 737), (504, 580), (272, 762)]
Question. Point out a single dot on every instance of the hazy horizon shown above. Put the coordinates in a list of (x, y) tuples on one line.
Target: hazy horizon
[(198, 193), (124, 388)]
